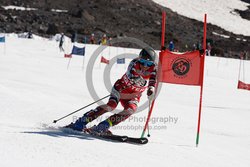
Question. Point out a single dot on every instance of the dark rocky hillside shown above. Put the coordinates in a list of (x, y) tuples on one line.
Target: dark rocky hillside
[(133, 18)]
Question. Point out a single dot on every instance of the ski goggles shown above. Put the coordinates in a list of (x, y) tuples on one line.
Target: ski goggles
[(146, 63)]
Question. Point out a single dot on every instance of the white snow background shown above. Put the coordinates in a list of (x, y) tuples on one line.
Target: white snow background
[(36, 87), (219, 12)]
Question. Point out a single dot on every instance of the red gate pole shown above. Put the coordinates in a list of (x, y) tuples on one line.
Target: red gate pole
[(202, 77), (162, 48), (163, 27)]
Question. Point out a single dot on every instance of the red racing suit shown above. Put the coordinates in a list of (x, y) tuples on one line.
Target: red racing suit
[(128, 91)]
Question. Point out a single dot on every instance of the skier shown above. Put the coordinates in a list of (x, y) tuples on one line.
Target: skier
[(61, 42), (126, 90), (29, 35)]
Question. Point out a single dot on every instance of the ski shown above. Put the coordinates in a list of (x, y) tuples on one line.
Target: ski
[(117, 138), (126, 139), (109, 136), (133, 140), (120, 138)]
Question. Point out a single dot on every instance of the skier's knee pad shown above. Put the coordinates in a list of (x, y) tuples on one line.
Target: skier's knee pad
[(112, 104), (131, 108)]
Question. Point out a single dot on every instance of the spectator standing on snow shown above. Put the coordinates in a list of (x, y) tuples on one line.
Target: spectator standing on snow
[(61, 42), (30, 35), (92, 38), (74, 37), (104, 39), (209, 47), (171, 46)]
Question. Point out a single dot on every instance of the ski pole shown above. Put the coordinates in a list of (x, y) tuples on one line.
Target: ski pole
[(55, 121), (149, 104), (148, 132)]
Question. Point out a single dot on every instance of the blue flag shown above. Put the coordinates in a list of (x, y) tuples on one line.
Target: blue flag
[(121, 61), (78, 51), (2, 39)]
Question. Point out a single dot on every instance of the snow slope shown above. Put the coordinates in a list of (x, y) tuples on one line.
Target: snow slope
[(36, 87), (219, 12)]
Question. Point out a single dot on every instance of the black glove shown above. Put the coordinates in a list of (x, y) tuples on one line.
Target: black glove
[(201, 51), (151, 92)]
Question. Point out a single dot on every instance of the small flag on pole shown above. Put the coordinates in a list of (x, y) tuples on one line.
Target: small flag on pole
[(120, 61), (104, 60), (78, 51), (2, 39), (242, 85), (67, 55)]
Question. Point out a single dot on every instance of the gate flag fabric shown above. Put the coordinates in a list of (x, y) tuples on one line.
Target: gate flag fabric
[(104, 60), (2, 39), (181, 68), (67, 55), (78, 51), (120, 60), (242, 85)]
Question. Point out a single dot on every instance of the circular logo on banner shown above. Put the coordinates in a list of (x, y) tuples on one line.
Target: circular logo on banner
[(181, 66)]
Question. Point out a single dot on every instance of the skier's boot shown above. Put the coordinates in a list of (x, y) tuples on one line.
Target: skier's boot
[(103, 128), (81, 123)]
